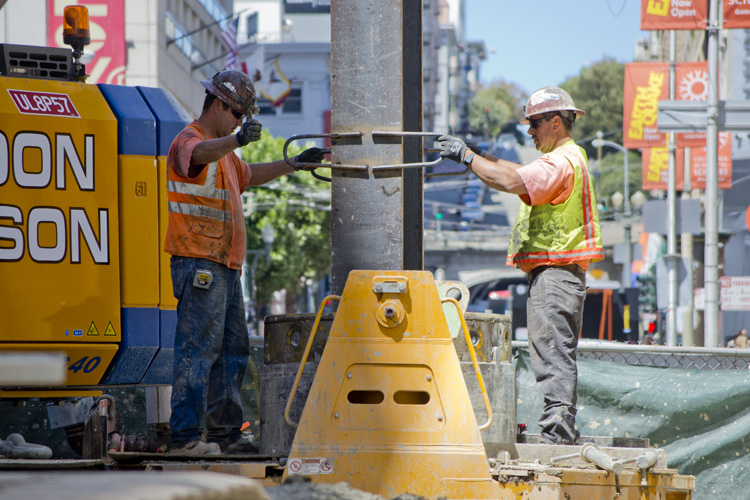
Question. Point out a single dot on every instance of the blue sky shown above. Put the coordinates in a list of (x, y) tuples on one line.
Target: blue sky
[(536, 43)]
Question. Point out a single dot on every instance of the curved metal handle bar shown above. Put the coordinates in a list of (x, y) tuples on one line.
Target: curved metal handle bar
[(304, 359), (374, 133), (321, 165), (474, 361), (404, 166), (394, 133)]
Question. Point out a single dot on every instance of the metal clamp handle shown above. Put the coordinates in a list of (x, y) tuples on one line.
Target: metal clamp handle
[(392, 133), (304, 359), (375, 133), (474, 362), (319, 165)]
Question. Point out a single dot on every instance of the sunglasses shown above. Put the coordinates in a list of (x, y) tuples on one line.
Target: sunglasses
[(236, 114), (535, 122)]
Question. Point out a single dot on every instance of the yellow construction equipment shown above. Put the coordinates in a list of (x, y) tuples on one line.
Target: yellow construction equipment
[(388, 411)]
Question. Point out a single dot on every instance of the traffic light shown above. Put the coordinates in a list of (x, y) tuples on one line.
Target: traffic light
[(647, 292)]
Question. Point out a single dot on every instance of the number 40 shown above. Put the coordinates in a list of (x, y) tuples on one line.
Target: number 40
[(85, 364)]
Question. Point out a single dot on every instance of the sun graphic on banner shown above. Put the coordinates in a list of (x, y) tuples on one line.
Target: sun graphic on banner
[(694, 86)]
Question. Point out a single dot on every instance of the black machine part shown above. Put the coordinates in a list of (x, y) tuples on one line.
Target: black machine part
[(43, 63)]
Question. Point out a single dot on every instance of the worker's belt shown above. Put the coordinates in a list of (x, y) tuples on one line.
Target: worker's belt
[(573, 268)]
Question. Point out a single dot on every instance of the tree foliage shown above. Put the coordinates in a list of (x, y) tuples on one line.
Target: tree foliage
[(598, 90), (297, 207), (502, 102)]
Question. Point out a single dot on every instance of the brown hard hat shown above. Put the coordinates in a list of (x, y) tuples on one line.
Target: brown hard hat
[(234, 88), (549, 99)]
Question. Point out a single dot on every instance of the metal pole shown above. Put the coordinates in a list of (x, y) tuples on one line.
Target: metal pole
[(413, 182), (368, 92), (686, 251), (711, 254), (626, 279), (626, 276), (671, 338)]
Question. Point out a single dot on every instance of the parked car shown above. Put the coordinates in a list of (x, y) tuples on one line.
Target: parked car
[(493, 294)]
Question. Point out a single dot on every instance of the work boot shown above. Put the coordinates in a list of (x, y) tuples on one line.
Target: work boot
[(243, 444), (197, 448)]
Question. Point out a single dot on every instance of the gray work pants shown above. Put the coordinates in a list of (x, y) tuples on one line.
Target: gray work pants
[(554, 319)]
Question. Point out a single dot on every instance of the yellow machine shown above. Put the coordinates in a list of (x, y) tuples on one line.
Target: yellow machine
[(60, 258), (384, 411), (82, 221)]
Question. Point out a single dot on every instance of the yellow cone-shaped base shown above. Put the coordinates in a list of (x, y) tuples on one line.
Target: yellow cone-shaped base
[(388, 411)]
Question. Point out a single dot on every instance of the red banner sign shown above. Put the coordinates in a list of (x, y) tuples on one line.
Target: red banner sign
[(691, 85), (698, 163), (107, 28), (674, 14), (645, 85), (43, 103), (656, 168), (736, 14)]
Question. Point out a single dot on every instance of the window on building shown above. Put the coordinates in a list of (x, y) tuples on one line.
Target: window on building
[(293, 102)]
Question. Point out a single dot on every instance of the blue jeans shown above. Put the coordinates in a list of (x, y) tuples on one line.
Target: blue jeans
[(554, 311), (211, 353)]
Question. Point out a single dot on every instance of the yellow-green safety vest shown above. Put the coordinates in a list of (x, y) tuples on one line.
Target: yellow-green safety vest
[(564, 233)]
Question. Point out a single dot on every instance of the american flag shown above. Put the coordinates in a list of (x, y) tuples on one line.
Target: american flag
[(229, 37)]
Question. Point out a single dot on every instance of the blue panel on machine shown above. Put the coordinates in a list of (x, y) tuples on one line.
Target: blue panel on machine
[(160, 371), (171, 117), (136, 126), (140, 342)]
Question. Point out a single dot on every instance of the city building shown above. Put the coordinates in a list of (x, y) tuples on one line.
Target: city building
[(171, 44)]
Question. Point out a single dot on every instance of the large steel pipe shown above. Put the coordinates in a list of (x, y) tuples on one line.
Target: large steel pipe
[(375, 85)]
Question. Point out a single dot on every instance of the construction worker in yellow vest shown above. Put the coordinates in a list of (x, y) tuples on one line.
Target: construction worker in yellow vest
[(206, 238), (555, 237)]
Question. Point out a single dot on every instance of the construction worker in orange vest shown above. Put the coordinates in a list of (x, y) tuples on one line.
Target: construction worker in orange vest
[(206, 238)]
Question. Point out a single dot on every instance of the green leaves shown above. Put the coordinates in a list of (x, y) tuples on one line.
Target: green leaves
[(599, 91), (297, 207), (494, 107)]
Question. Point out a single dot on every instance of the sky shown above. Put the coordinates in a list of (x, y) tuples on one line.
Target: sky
[(537, 43)]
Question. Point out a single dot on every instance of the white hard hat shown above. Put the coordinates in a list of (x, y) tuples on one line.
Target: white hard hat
[(549, 99)]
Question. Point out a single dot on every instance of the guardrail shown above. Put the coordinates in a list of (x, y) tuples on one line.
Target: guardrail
[(696, 358)]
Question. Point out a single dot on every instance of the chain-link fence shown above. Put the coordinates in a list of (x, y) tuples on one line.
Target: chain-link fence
[(696, 358)]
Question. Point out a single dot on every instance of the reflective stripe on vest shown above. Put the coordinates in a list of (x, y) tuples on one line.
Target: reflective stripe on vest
[(206, 190)]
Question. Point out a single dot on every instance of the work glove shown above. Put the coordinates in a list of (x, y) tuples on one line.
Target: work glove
[(453, 148), (249, 132), (311, 155)]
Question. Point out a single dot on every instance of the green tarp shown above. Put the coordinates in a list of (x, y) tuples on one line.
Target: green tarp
[(701, 418)]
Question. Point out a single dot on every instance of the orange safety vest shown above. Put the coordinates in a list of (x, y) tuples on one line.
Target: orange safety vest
[(206, 220), (564, 233)]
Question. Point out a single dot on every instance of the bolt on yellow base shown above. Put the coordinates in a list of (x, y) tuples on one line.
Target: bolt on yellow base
[(388, 411)]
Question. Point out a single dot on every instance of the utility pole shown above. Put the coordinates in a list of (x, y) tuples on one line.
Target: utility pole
[(376, 84), (672, 255), (711, 258)]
